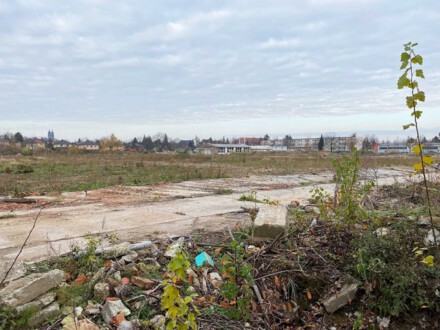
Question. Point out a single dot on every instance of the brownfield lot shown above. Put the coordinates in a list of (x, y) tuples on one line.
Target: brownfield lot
[(53, 173)]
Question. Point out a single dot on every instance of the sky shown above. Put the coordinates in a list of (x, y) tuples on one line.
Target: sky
[(213, 68)]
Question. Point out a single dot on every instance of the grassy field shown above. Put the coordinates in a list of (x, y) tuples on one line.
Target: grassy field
[(55, 172)]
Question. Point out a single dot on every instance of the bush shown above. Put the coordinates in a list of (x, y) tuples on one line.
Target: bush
[(392, 273), (23, 169)]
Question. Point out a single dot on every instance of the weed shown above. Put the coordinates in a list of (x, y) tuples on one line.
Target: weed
[(251, 197), (180, 311), (391, 270), (223, 191), (7, 216), (23, 169), (236, 290)]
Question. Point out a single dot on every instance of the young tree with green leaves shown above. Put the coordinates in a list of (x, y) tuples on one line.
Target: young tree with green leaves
[(409, 61)]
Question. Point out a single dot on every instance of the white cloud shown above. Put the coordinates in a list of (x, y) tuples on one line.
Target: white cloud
[(280, 43)]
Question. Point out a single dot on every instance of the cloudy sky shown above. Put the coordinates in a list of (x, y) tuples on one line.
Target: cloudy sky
[(88, 68)]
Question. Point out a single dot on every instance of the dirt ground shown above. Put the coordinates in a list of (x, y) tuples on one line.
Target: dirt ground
[(140, 213)]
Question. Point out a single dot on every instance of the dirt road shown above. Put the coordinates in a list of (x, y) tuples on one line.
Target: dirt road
[(140, 213)]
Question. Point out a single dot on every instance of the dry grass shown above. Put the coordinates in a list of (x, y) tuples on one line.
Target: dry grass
[(55, 172)]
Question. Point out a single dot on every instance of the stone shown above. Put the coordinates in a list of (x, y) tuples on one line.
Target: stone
[(131, 268), (101, 291), (47, 299), (92, 309), (424, 221), (384, 322), (77, 311), (99, 275), (429, 238), (148, 266), (117, 276), (270, 222), (312, 209), (158, 322), (28, 288), (118, 319), (113, 308), (125, 325), (115, 251), (33, 305), (50, 311), (383, 231), (130, 258), (340, 299), (142, 282), (215, 279)]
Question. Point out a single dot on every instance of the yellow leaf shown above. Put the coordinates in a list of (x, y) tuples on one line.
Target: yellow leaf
[(418, 166), (428, 261), (309, 295), (417, 149), (427, 160)]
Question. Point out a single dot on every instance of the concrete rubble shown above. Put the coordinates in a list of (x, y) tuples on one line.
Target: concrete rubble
[(343, 297), (270, 222)]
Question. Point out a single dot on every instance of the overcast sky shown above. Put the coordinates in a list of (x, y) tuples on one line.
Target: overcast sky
[(88, 68)]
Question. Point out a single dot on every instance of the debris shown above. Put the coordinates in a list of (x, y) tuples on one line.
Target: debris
[(19, 200), (429, 238), (340, 299), (125, 325), (113, 308), (92, 308), (78, 311), (215, 279), (383, 231), (175, 247), (101, 291), (142, 282), (158, 322), (28, 288), (46, 313), (384, 322), (203, 258), (148, 266), (312, 209), (271, 220), (193, 278)]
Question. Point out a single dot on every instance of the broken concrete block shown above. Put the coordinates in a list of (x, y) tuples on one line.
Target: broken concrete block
[(48, 298), (92, 309), (30, 287), (271, 221), (193, 278), (148, 266), (215, 279), (50, 311), (113, 308), (340, 299), (115, 250)]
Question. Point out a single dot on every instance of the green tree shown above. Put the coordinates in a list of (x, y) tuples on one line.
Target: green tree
[(321, 143), (18, 137)]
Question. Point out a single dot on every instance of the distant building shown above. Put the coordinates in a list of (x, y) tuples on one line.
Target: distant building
[(87, 145), (331, 143), (223, 149), (250, 141), (393, 148)]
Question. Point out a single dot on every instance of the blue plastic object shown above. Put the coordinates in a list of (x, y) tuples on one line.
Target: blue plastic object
[(203, 258)]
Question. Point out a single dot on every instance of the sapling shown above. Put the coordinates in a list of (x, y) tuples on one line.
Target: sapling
[(409, 60)]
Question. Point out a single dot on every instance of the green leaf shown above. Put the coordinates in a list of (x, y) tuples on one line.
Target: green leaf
[(404, 64), (403, 81), (404, 57), (417, 113), (417, 59), (410, 102), (419, 73), (420, 96), (408, 126)]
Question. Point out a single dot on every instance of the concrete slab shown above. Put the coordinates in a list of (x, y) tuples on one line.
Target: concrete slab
[(270, 222)]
